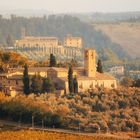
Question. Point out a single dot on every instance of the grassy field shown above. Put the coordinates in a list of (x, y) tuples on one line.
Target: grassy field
[(126, 34), (40, 135)]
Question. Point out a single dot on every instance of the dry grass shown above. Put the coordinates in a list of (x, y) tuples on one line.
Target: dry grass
[(40, 135), (125, 34)]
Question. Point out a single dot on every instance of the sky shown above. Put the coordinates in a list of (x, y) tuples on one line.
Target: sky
[(60, 6)]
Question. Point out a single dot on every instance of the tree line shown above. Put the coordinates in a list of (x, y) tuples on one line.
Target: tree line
[(43, 26)]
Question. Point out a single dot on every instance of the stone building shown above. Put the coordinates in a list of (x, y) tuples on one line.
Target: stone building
[(117, 70), (71, 47), (73, 42), (87, 76)]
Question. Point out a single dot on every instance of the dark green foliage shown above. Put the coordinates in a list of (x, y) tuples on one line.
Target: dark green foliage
[(99, 66), (52, 60), (6, 57), (56, 120), (137, 83), (75, 85), (70, 79), (47, 85), (26, 81), (36, 84)]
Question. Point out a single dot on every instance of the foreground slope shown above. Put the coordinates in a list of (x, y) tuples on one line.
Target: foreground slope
[(40, 135)]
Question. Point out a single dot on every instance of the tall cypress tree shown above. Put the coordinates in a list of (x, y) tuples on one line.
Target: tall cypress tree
[(99, 66), (70, 79), (26, 81), (75, 85), (52, 60)]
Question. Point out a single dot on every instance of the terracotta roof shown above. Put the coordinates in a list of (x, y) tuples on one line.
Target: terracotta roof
[(40, 38), (30, 69), (99, 76), (104, 76), (59, 69), (15, 77)]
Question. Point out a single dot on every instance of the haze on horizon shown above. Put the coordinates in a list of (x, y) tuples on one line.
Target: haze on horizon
[(61, 6)]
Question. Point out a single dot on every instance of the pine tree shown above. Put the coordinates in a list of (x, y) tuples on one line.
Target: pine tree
[(26, 81), (70, 79), (52, 60), (99, 66), (75, 85)]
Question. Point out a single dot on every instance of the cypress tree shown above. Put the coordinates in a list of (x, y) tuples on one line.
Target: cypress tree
[(26, 81), (99, 66), (75, 85), (52, 60), (70, 79)]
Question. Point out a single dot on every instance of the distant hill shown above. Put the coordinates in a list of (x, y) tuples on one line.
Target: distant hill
[(58, 26), (126, 34), (86, 17), (108, 17)]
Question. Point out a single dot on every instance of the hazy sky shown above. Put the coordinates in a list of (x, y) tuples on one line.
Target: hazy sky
[(73, 5)]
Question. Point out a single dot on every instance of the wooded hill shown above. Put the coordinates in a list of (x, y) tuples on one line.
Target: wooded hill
[(58, 26)]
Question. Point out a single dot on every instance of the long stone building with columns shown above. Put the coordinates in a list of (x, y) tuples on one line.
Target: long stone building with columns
[(87, 76), (70, 48)]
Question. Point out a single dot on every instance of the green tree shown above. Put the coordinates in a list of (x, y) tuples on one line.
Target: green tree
[(52, 60), (137, 83), (47, 85), (70, 79), (99, 66), (6, 57), (75, 85), (36, 85), (26, 81)]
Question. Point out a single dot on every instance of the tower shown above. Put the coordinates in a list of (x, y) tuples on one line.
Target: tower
[(90, 62)]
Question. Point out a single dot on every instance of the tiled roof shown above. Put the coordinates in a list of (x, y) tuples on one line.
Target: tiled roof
[(30, 69), (59, 69), (99, 76)]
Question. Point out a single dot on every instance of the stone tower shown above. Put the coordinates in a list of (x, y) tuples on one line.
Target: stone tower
[(90, 62)]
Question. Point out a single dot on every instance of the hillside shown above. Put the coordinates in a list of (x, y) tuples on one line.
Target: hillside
[(58, 26), (125, 34)]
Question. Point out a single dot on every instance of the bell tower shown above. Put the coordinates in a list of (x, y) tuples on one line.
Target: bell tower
[(90, 62)]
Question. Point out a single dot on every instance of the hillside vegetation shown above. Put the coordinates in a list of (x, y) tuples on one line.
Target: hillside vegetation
[(125, 34), (58, 26), (97, 110)]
